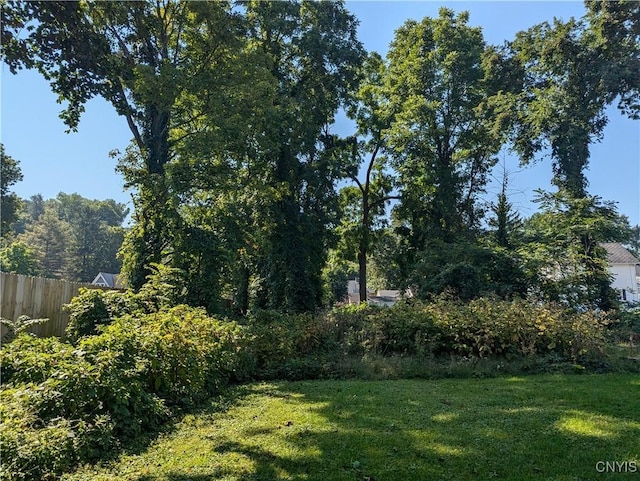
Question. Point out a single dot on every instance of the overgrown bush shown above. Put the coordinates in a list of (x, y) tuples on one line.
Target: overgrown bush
[(62, 404), (92, 308), (483, 327), (292, 346), (186, 355)]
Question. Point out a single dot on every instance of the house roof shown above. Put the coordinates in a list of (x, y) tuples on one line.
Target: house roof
[(108, 279), (617, 254)]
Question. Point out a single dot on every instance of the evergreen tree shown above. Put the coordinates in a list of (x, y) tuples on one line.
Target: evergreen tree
[(52, 242)]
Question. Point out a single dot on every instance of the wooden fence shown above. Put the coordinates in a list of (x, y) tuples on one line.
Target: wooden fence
[(38, 298)]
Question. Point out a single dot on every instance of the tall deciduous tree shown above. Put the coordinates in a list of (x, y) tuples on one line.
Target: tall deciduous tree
[(313, 56), (563, 76), (562, 102), (142, 57), (364, 204), (614, 37), (442, 144)]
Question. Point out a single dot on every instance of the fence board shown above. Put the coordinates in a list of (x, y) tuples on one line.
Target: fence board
[(38, 297)]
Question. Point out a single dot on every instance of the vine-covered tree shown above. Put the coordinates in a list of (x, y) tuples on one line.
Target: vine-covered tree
[(614, 38), (313, 56), (562, 77)]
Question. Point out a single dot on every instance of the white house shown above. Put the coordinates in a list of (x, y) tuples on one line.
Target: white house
[(622, 266), (374, 298)]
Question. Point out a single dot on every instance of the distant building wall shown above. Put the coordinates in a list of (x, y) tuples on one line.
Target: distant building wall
[(625, 281)]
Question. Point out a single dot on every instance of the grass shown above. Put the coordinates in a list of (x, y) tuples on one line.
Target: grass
[(548, 427)]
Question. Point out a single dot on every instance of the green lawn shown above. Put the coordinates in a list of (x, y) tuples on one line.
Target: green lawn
[(524, 428)]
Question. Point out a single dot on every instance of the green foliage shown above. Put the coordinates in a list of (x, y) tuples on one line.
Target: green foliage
[(19, 258), (289, 345), (162, 288), (10, 173), (97, 233), (562, 252), (468, 270), (52, 241), (187, 355), (613, 35), (442, 146), (93, 308), (481, 328), (506, 223), (20, 325), (336, 275), (566, 75), (314, 66), (64, 404)]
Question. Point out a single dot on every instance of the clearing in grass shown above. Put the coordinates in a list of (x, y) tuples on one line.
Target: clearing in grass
[(520, 428)]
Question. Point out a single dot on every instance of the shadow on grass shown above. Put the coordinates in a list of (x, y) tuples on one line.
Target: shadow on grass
[(555, 428), (213, 406)]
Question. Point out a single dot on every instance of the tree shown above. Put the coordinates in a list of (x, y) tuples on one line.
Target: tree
[(505, 221), (563, 101), (614, 37), (364, 204), (19, 258), (150, 60), (10, 173), (313, 56), (442, 144), (562, 249), (97, 231), (561, 78), (633, 243), (52, 242)]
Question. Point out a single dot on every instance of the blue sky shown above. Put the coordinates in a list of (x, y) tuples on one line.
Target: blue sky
[(53, 161)]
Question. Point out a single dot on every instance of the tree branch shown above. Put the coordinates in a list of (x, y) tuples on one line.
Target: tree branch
[(385, 199)]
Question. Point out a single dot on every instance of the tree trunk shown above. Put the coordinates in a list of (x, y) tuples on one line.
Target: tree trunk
[(364, 244), (362, 272)]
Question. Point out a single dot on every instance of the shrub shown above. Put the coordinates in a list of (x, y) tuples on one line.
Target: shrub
[(30, 359), (62, 404), (37, 449), (483, 327), (188, 355), (288, 345), (93, 308)]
